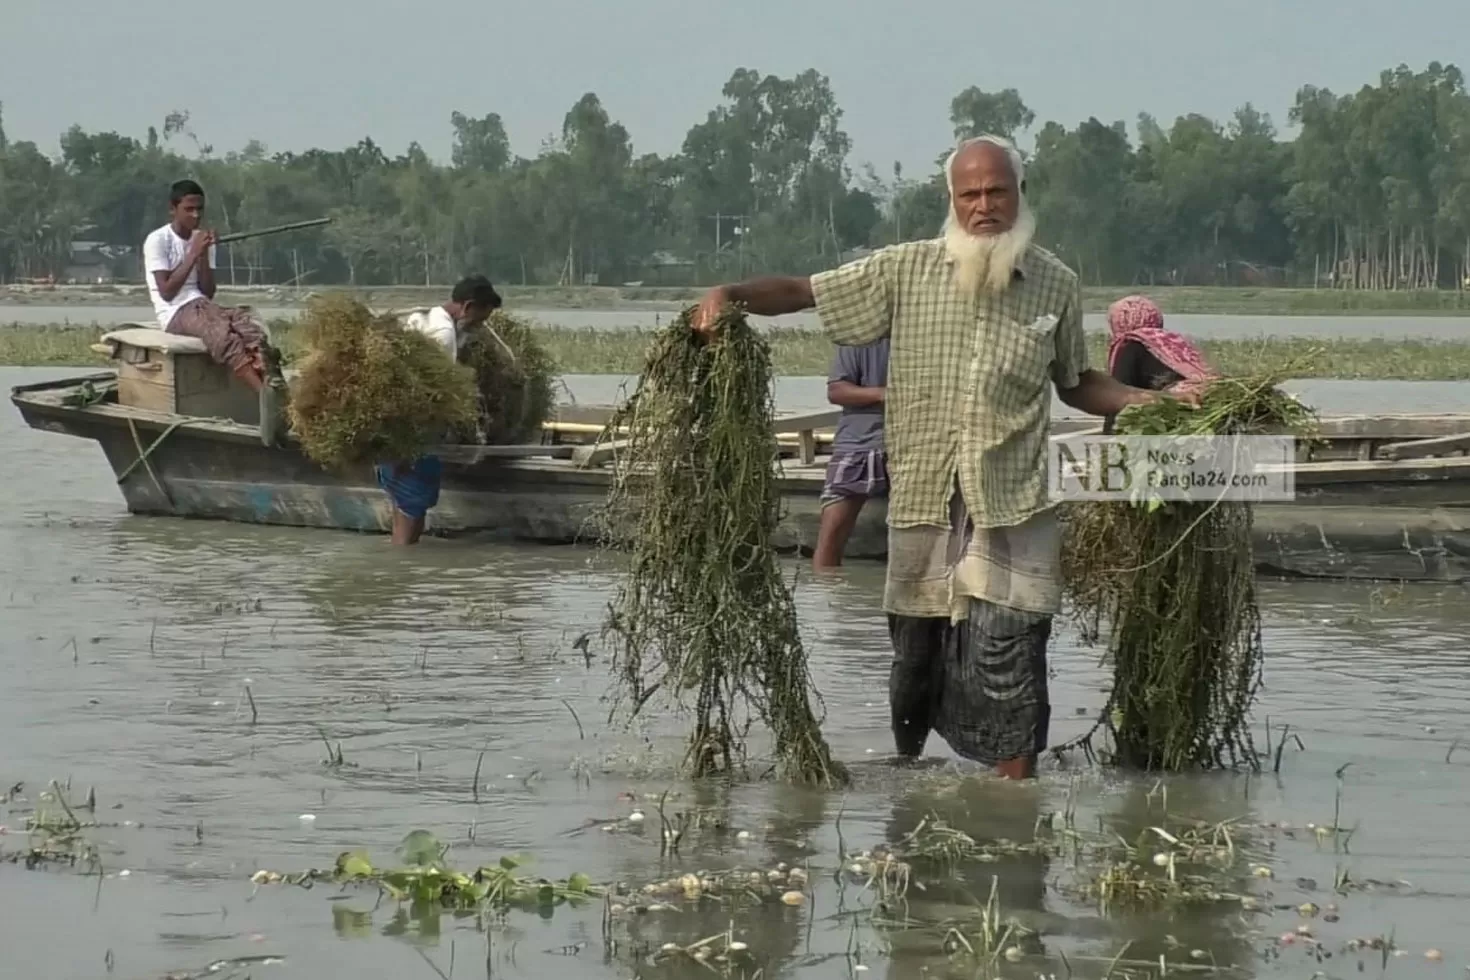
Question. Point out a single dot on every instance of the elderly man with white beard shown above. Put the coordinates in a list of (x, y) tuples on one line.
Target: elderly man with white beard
[(982, 324)]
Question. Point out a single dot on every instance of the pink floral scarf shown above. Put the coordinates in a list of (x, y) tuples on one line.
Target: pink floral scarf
[(1137, 319)]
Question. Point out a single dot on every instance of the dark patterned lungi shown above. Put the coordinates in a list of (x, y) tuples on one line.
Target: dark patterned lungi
[(981, 684), (970, 614)]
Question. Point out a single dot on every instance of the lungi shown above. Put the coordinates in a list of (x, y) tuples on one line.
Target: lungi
[(856, 476), (413, 487), (230, 334), (970, 615)]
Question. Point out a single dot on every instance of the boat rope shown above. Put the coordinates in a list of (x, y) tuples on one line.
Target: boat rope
[(143, 455)]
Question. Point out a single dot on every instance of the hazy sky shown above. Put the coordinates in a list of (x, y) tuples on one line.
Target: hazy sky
[(301, 73)]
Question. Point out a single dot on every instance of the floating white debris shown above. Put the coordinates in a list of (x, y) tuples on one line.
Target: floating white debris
[(1161, 859), (307, 818), (737, 947), (124, 873), (260, 877), (743, 835), (1014, 954), (636, 816), (1433, 954)]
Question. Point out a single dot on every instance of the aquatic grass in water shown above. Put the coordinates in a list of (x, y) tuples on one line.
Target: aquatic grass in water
[(370, 390), (703, 612), (1175, 583)]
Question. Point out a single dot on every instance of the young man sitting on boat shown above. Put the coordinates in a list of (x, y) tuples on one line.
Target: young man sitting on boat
[(178, 260), (414, 487)]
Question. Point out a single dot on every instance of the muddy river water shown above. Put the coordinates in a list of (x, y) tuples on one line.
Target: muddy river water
[(128, 643)]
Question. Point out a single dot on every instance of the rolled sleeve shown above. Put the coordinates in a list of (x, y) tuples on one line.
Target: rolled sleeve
[(1071, 341), (855, 301)]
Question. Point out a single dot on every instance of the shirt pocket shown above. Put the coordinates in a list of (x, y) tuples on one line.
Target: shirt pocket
[(1023, 355)]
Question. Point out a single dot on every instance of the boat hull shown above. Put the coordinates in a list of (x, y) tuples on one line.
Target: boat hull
[(1350, 520)]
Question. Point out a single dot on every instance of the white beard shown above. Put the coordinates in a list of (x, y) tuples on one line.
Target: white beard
[(987, 262)]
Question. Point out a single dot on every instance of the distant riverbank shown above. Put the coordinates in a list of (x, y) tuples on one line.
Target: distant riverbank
[(808, 352), (1172, 299)]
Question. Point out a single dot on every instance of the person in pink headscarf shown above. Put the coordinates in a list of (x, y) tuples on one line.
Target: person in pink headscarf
[(1143, 354)]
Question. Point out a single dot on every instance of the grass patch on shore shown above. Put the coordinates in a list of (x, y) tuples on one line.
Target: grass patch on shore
[(587, 350), (1240, 300)]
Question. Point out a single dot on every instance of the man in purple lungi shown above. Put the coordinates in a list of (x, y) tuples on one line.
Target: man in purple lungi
[(858, 468)]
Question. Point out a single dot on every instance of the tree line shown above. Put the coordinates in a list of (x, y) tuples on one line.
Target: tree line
[(1372, 193)]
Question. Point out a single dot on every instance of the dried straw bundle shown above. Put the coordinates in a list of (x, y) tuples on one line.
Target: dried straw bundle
[(371, 391), (515, 378), (703, 608), (1175, 582)]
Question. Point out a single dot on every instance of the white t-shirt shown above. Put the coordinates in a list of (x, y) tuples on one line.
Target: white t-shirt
[(163, 251), (437, 325)]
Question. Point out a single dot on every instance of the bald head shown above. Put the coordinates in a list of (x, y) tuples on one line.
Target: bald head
[(985, 185)]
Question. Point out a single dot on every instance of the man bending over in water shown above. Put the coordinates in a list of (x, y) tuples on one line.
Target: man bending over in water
[(178, 260), (414, 486)]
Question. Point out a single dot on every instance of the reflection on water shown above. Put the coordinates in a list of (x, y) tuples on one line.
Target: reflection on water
[(130, 642)]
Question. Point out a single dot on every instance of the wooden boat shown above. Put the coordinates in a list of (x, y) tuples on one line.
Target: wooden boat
[(1381, 497)]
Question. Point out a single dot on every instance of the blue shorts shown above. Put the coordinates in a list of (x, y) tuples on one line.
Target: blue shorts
[(414, 488)]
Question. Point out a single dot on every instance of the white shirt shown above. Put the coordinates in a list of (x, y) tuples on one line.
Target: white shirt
[(437, 325), (163, 251)]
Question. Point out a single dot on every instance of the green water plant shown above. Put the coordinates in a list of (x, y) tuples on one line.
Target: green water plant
[(1175, 583), (426, 880), (515, 379), (703, 619)]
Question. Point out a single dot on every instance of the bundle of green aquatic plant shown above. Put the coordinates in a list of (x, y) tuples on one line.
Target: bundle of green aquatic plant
[(370, 390), (514, 377), (703, 612), (1175, 583)]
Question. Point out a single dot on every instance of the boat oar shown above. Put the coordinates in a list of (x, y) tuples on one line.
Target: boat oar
[(293, 226)]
